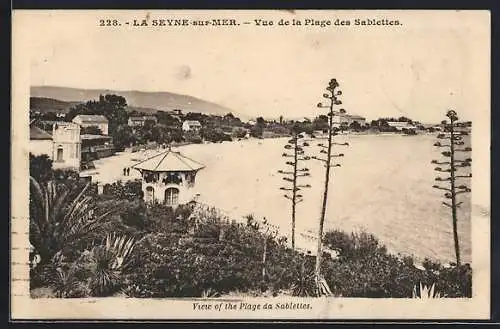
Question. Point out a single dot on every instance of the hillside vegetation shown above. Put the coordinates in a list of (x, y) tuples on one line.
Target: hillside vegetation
[(149, 102)]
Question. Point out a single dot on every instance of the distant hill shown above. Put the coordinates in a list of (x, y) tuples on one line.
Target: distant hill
[(44, 104), (148, 102)]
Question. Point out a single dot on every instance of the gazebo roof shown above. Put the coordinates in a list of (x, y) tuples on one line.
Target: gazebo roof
[(168, 161)]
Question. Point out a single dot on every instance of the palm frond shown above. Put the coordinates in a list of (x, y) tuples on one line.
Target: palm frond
[(66, 283), (58, 221)]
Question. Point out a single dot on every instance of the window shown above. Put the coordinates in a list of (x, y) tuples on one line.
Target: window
[(150, 194), (172, 178), (150, 177), (59, 157), (190, 179), (171, 196)]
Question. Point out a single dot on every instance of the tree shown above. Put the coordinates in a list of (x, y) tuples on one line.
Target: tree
[(455, 139), (123, 136), (239, 132), (355, 126), (167, 119), (256, 131), (320, 123), (58, 220), (113, 107), (159, 134), (196, 116), (41, 167), (297, 145), (50, 116), (332, 96), (193, 137)]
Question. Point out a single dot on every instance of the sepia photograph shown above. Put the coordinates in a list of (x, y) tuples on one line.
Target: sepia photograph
[(250, 164)]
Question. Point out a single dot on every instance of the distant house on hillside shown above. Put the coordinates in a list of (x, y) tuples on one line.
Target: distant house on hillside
[(357, 118), (191, 125), (139, 121), (99, 121), (341, 118), (400, 126)]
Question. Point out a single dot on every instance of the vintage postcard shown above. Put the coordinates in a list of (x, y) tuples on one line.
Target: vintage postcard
[(256, 165)]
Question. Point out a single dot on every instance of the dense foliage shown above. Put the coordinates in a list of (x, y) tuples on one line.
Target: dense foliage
[(156, 251), (364, 268)]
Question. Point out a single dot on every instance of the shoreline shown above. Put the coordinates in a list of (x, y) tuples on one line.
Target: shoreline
[(305, 235)]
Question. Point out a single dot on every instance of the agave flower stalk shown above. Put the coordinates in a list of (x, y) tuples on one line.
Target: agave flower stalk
[(454, 144), (332, 97), (296, 144)]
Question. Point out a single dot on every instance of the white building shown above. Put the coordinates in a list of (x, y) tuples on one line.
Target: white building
[(99, 121), (66, 152), (340, 118), (191, 125), (63, 147), (401, 125), (168, 178), (139, 121)]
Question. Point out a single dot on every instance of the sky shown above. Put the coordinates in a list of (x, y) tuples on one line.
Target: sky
[(433, 62)]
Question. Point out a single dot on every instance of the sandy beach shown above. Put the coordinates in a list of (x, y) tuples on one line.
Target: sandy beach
[(385, 193)]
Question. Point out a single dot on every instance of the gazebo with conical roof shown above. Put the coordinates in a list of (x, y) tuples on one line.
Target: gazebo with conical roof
[(168, 178)]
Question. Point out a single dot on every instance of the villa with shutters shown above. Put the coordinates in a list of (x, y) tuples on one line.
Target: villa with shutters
[(168, 178)]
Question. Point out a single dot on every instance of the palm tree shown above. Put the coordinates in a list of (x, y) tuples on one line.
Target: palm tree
[(58, 221)]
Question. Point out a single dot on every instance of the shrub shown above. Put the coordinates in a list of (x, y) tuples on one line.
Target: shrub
[(353, 245), (366, 269), (220, 257), (214, 135), (191, 137), (130, 190), (134, 215), (40, 167)]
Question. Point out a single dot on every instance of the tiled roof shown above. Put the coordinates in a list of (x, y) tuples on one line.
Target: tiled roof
[(91, 118), (39, 134), (169, 161)]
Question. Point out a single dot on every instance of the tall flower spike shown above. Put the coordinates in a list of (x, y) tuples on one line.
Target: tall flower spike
[(321, 286), (454, 138), (295, 145)]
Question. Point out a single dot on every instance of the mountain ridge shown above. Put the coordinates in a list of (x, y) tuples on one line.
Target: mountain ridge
[(149, 102)]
